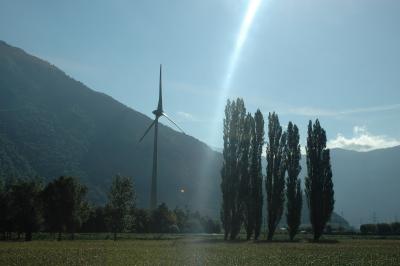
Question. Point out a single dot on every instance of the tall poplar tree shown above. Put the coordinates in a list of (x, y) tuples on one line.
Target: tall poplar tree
[(293, 184), (231, 211), (319, 185), (256, 177), (275, 181), (245, 178), (226, 214)]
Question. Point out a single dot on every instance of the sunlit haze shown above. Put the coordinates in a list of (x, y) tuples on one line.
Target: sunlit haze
[(337, 60), (181, 126)]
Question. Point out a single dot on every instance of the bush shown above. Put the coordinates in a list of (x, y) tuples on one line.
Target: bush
[(368, 229), (211, 226), (142, 221), (395, 228), (174, 229), (162, 219), (383, 229)]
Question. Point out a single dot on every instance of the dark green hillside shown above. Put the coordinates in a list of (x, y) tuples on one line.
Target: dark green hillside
[(52, 125), (12, 164)]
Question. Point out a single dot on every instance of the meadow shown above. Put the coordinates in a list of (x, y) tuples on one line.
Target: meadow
[(201, 250)]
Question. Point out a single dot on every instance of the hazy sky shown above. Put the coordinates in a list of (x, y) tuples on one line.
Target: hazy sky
[(338, 60)]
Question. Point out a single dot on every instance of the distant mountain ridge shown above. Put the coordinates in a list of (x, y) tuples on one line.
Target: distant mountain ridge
[(367, 184), (52, 125)]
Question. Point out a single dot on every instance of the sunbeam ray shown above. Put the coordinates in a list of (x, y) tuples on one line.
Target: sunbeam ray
[(242, 36), (253, 6)]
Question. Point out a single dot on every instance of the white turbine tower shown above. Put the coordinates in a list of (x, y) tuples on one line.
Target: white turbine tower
[(158, 113)]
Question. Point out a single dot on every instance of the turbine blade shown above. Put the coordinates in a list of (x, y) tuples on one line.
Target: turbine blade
[(166, 116), (147, 131), (160, 107)]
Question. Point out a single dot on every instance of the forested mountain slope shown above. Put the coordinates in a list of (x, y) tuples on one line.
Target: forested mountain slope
[(52, 125)]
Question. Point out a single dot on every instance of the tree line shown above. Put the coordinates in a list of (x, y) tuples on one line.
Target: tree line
[(61, 206), (242, 178), (380, 229)]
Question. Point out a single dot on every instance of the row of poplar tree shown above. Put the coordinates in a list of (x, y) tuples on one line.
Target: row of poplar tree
[(242, 175)]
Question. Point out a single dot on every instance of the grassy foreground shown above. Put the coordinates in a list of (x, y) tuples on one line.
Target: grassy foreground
[(200, 251)]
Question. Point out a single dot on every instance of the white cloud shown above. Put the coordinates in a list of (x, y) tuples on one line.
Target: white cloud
[(362, 140), (186, 116)]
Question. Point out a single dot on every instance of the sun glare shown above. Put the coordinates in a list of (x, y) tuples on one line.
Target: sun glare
[(244, 29), (252, 7)]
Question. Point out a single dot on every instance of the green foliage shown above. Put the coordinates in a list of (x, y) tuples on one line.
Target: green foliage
[(211, 227), (3, 208), (319, 185), (245, 190), (96, 221), (121, 200), (395, 228), (257, 142), (251, 193), (294, 195), (162, 219), (64, 205), (384, 229), (368, 229), (241, 172), (380, 229), (142, 221), (196, 223), (25, 206), (275, 179), (231, 212), (182, 218)]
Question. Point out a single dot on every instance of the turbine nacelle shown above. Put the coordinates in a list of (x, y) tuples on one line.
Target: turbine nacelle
[(158, 113)]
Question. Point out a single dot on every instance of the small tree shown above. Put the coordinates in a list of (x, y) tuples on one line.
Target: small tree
[(64, 202), (395, 228), (275, 182), (366, 229), (293, 191), (162, 219), (319, 185), (3, 208), (182, 217), (96, 220), (142, 221), (26, 206), (121, 200), (7, 221), (384, 229)]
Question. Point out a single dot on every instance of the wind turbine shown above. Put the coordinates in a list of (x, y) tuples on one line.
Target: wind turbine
[(158, 113)]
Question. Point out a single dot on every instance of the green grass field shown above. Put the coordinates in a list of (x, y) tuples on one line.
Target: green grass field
[(201, 250)]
